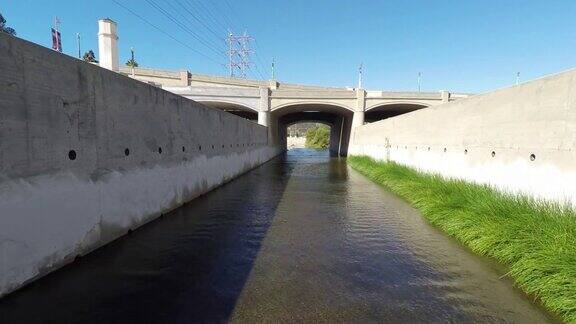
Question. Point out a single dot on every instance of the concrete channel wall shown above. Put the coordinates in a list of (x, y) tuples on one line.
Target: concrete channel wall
[(87, 154), (519, 139)]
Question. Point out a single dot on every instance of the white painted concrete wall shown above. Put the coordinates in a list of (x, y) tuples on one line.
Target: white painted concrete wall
[(53, 208), (457, 139)]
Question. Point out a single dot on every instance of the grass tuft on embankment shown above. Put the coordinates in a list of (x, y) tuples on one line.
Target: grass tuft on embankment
[(535, 239)]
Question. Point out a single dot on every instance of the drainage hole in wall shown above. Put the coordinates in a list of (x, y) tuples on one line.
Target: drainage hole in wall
[(183, 149), (126, 152), (493, 154), (72, 155), (199, 147), (212, 146), (159, 150), (532, 157)]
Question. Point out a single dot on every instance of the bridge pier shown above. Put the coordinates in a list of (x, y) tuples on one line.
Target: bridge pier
[(357, 119), (264, 107), (264, 118), (358, 116)]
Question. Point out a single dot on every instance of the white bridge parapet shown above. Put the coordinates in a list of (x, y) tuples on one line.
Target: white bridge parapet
[(243, 92)]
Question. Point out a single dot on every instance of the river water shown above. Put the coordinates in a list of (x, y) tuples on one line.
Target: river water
[(302, 238)]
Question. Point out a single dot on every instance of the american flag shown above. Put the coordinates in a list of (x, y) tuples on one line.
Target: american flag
[(56, 40)]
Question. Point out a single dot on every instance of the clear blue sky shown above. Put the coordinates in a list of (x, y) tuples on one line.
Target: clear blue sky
[(459, 45)]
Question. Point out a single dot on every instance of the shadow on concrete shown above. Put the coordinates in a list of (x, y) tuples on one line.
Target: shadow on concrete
[(188, 266)]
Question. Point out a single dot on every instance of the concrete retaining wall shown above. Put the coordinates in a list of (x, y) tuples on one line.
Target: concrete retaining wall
[(87, 154), (519, 139)]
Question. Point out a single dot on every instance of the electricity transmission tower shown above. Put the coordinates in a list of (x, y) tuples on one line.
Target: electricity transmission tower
[(239, 54)]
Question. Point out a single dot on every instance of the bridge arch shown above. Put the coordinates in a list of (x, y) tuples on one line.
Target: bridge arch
[(233, 107), (338, 117), (309, 103), (385, 110)]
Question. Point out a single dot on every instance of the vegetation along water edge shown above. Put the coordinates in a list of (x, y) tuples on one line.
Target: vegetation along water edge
[(536, 239)]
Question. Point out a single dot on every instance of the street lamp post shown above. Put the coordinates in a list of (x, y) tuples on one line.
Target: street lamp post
[(419, 80), (78, 43)]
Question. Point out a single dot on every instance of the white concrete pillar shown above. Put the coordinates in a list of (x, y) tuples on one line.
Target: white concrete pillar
[(264, 118), (273, 84), (357, 119), (358, 116), (445, 95), (264, 107), (108, 44), (184, 78)]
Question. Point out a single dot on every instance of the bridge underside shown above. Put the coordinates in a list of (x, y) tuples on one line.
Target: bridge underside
[(391, 110), (232, 108), (339, 119)]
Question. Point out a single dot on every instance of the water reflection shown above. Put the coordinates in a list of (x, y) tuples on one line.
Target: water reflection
[(302, 238)]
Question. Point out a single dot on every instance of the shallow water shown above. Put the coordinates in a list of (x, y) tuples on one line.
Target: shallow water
[(301, 239)]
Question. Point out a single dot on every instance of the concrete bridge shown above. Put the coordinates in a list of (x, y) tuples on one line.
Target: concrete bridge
[(278, 105), (274, 104)]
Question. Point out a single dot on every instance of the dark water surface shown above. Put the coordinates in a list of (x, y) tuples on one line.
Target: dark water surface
[(301, 239)]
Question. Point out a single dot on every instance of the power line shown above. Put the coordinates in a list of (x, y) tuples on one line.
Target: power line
[(209, 14), (229, 6), (200, 21), (215, 45), (258, 49), (254, 75), (259, 73), (238, 52), (182, 26), (165, 33), (223, 12)]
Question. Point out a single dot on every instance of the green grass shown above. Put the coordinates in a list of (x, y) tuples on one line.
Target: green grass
[(534, 238)]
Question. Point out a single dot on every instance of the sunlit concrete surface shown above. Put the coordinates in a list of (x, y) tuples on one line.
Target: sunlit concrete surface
[(519, 139)]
